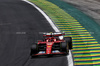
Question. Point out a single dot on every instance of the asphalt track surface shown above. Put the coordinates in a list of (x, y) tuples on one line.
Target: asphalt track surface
[(20, 24)]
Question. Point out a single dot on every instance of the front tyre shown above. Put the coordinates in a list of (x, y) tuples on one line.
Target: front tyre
[(69, 41), (34, 49), (64, 48)]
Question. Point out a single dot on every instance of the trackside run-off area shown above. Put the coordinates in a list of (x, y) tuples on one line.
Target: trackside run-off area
[(86, 50)]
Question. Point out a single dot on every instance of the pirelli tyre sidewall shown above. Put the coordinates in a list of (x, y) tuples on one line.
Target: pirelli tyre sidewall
[(64, 47), (34, 49), (69, 41)]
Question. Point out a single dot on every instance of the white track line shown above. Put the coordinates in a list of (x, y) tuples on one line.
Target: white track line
[(69, 57), (47, 18)]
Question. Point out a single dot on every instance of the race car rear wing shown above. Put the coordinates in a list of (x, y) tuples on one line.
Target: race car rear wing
[(54, 34)]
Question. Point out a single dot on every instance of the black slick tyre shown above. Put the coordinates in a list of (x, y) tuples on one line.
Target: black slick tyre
[(69, 41), (64, 48), (34, 49)]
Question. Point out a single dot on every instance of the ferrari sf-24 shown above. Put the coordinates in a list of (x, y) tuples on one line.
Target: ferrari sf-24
[(52, 44)]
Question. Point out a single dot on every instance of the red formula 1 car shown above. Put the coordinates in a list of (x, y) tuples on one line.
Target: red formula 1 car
[(52, 44)]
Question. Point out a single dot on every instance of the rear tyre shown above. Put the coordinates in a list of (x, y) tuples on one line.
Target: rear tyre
[(69, 41), (34, 49), (64, 48)]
